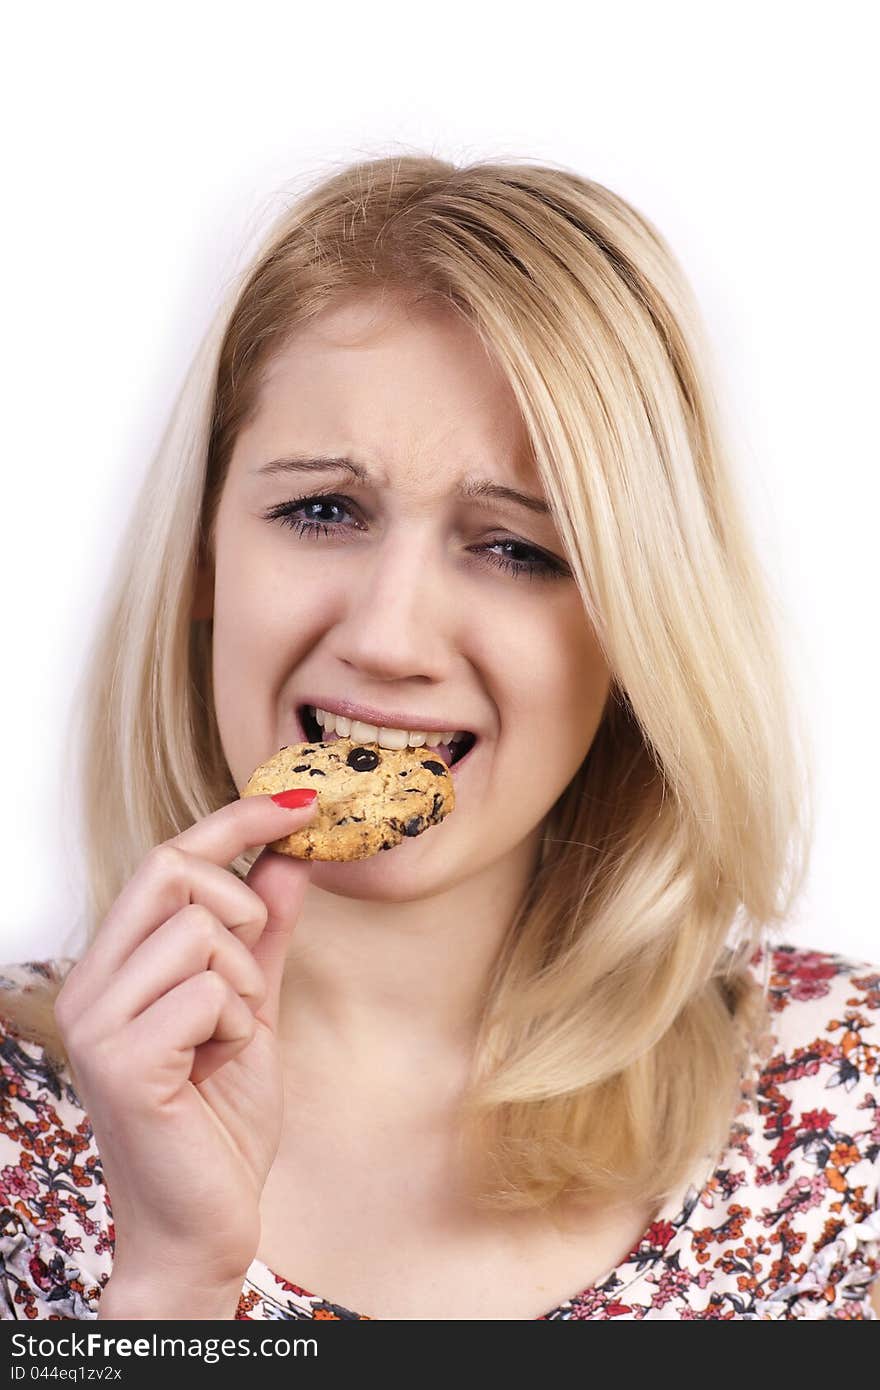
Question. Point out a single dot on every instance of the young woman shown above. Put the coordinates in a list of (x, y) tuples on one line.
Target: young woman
[(447, 462)]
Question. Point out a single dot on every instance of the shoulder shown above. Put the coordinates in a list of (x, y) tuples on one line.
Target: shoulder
[(786, 1225), (55, 1251), (805, 975), (24, 977), (809, 1151), (820, 1072), (26, 1067), (824, 1011)]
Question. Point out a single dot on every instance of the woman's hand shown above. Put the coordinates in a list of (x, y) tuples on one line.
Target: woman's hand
[(170, 1021)]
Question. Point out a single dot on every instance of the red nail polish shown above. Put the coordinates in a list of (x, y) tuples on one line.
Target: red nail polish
[(296, 796)]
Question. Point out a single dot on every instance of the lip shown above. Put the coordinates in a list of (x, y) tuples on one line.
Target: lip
[(389, 719), (454, 768)]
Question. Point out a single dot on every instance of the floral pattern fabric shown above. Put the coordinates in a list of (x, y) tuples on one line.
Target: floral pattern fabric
[(784, 1224)]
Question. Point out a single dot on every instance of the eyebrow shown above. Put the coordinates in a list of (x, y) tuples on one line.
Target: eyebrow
[(472, 489)]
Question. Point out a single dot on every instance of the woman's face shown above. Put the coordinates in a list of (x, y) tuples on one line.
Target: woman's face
[(394, 595)]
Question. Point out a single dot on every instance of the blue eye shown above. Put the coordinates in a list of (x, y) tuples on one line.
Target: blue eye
[(543, 566)]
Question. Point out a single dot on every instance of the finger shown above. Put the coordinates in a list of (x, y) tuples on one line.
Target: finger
[(191, 941), (211, 1056), (164, 1038), (167, 882), (281, 884), (171, 877), (243, 824)]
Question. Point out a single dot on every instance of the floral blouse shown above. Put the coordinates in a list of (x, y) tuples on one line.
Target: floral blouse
[(786, 1225)]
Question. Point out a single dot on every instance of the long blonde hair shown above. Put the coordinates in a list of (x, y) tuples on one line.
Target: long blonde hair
[(620, 1016)]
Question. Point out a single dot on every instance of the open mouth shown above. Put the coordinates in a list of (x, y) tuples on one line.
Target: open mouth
[(451, 753)]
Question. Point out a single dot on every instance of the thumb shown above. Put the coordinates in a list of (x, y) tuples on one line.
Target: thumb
[(281, 881)]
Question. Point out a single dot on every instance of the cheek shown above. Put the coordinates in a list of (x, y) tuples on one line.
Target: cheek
[(244, 637), (251, 632), (542, 666), (571, 687), (265, 620), (255, 604)]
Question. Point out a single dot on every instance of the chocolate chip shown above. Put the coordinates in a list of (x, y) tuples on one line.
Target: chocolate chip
[(414, 826), (363, 759), (439, 769), (301, 767)]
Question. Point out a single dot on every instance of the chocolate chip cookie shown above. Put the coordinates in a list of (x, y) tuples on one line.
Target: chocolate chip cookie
[(369, 798)]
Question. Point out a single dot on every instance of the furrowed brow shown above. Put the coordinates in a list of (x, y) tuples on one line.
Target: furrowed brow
[(478, 490)]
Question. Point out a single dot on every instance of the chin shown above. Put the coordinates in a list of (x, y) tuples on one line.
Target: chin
[(400, 875)]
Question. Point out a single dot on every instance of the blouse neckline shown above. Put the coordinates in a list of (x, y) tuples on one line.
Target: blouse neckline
[(674, 1212), (643, 1255)]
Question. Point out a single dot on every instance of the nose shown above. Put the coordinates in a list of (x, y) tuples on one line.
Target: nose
[(395, 617)]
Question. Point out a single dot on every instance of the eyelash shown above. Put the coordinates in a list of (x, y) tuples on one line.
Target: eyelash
[(543, 567)]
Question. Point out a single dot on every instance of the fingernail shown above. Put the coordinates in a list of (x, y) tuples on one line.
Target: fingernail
[(296, 796)]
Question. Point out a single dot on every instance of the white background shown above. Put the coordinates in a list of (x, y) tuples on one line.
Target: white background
[(144, 145)]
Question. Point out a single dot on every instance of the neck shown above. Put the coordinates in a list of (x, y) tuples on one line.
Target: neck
[(380, 989)]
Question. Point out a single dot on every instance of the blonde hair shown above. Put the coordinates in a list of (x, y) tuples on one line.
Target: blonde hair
[(620, 1016)]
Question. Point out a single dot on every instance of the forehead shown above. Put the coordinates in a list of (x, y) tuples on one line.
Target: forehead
[(405, 388)]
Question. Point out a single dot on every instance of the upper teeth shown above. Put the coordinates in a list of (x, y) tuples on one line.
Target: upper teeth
[(386, 738)]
